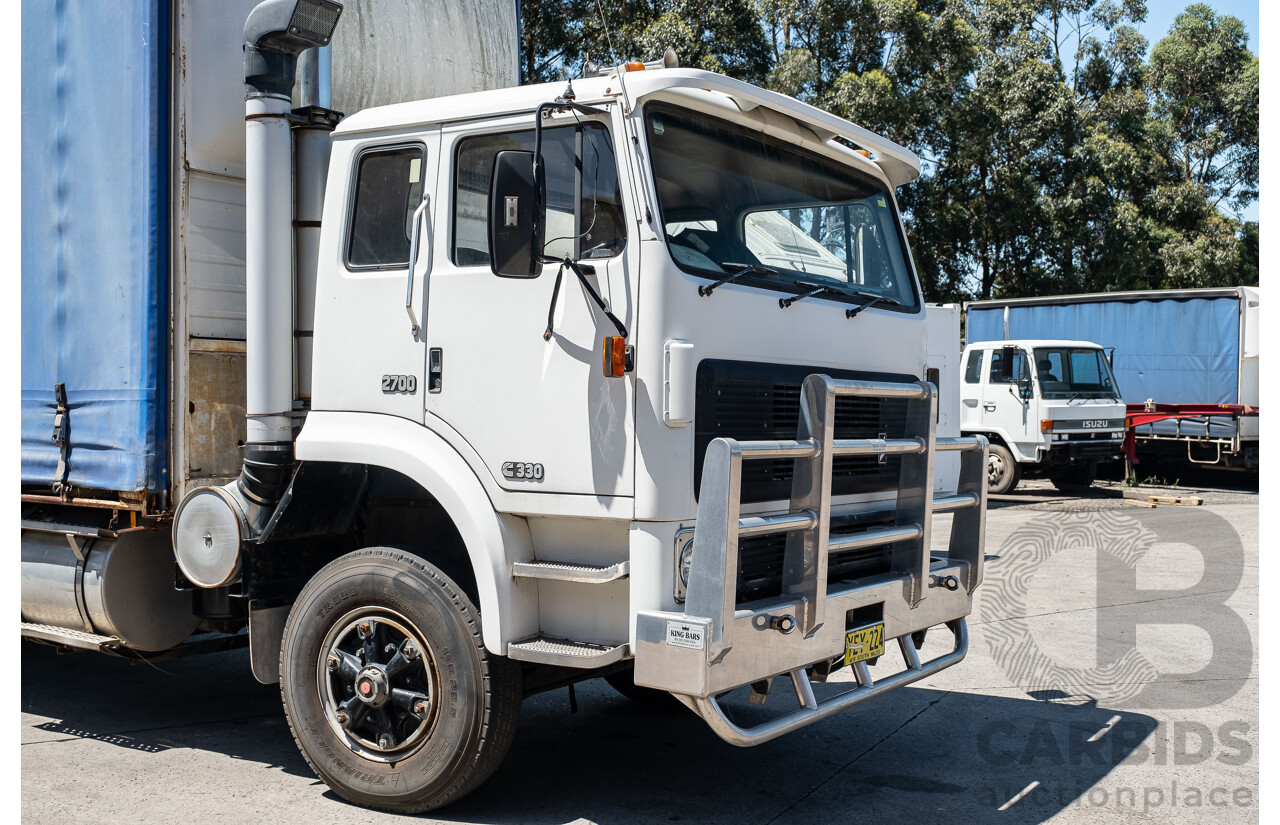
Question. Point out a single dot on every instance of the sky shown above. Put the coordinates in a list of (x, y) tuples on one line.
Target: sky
[(1160, 17), (1161, 14)]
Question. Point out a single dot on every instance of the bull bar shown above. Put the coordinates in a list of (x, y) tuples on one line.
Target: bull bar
[(717, 645)]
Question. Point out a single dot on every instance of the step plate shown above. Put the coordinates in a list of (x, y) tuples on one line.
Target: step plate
[(64, 636), (581, 573), (550, 651)]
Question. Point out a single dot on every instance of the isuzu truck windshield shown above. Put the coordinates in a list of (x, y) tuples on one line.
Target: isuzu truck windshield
[(1074, 373), (800, 221)]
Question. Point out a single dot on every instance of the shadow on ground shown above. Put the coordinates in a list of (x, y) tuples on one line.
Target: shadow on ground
[(913, 753)]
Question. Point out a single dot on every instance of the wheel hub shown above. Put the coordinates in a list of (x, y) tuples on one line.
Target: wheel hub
[(377, 684), (371, 686)]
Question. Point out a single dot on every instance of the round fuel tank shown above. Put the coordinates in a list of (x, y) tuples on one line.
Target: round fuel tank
[(392, 51), (127, 586)]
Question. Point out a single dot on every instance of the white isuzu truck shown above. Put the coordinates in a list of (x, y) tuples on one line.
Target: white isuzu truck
[(1049, 408), (578, 403)]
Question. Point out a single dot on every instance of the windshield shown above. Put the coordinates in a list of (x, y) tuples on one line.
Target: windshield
[(1074, 372), (732, 195)]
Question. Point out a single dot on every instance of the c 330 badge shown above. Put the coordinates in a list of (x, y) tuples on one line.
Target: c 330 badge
[(522, 471)]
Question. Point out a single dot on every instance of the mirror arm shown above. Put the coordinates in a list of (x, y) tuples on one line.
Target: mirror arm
[(581, 272), (543, 110)]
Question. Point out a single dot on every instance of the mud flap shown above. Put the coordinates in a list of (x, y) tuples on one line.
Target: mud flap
[(266, 630)]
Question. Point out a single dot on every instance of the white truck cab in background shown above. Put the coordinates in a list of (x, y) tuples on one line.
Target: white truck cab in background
[(1049, 408)]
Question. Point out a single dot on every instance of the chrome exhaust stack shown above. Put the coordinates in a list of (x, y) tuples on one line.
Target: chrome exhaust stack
[(211, 523)]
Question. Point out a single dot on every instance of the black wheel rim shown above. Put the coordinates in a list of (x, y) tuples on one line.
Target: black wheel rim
[(377, 682)]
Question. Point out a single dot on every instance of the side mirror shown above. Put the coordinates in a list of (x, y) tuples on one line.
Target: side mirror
[(516, 217), (1024, 388), (1007, 354)]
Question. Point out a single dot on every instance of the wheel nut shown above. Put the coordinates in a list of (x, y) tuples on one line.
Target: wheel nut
[(385, 741), (420, 708), (342, 717), (410, 650), (333, 662), (364, 628)]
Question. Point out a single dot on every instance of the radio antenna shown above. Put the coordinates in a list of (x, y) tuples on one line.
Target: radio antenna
[(607, 39)]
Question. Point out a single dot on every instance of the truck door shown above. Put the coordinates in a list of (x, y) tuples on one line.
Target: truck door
[(1003, 409), (971, 420), (537, 408), (367, 357)]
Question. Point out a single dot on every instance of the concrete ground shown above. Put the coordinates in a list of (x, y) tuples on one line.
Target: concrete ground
[(1074, 705)]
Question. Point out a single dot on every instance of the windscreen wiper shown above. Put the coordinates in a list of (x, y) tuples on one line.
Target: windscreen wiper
[(814, 289), (872, 299), (738, 271)]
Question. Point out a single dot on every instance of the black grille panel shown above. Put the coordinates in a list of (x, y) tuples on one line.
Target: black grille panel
[(761, 559), (755, 402)]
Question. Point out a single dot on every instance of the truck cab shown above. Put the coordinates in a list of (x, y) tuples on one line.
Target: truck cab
[(1049, 408), (620, 344)]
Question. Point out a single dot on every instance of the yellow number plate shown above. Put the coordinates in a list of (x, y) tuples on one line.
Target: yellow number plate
[(864, 643)]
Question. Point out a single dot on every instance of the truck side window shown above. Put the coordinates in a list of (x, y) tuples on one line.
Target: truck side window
[(588, 227), (388, 189), (1051, 367), (973, 369), (1020, 371)]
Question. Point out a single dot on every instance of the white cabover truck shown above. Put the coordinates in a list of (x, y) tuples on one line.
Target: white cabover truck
[(581, 403), (1050, 408)]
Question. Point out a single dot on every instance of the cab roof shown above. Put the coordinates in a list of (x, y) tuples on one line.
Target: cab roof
[(898, 164), (1032, 343)]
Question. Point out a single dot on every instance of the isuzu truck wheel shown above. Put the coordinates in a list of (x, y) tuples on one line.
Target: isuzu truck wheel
[(387, 686), (1002, 471)]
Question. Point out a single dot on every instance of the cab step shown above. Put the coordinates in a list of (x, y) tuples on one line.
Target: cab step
[(67, 637), (547, 650), (567, 572)]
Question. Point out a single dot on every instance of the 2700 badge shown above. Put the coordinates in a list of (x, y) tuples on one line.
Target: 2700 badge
[(522, 471)]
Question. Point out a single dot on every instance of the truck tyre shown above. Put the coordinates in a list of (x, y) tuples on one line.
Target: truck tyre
[(1002, 471), (388, 689), (1075, 478)]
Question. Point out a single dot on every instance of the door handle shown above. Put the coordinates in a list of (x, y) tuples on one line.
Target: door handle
[(989, 407), (416, 327)]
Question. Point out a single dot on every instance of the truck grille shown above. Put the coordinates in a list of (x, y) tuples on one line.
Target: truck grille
[(756, 402), (761, 559)]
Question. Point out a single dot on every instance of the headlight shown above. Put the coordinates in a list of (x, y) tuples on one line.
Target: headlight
[(683, 556)]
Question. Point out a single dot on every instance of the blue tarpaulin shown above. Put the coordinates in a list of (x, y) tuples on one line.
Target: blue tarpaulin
[(94, 239), (1174, 351)]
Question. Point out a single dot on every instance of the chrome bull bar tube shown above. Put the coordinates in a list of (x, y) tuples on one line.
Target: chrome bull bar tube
[(716, 645), (811, 710)]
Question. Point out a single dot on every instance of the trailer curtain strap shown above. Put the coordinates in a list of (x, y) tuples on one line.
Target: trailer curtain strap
[(595, 296), (62, 437)]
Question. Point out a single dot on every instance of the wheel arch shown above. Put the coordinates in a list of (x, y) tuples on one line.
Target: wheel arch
[(492, 540), (1000, 437)]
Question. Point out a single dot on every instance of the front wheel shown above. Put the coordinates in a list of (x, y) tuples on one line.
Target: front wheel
[(387, 686), (1002, 471)]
